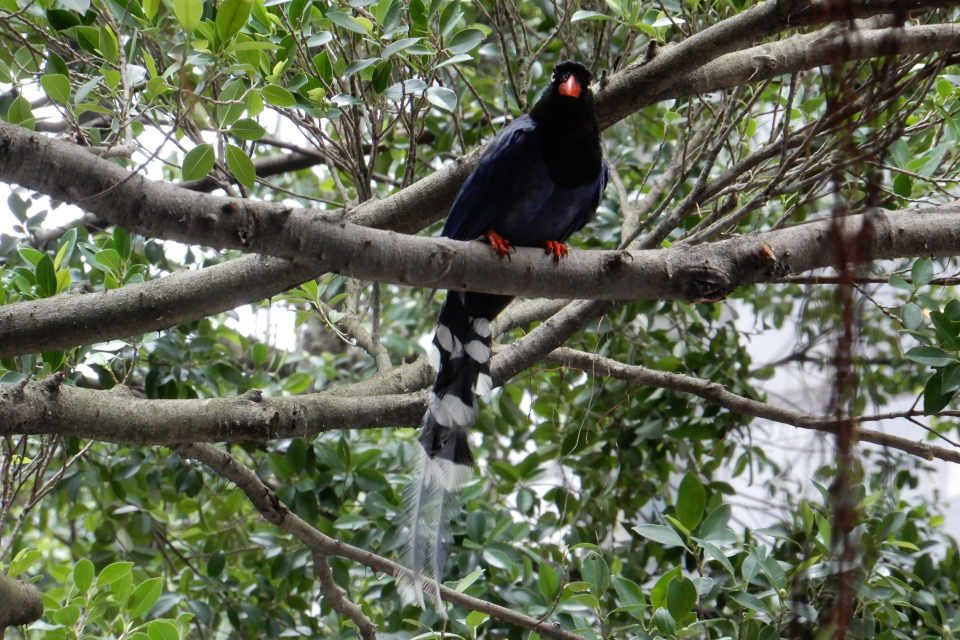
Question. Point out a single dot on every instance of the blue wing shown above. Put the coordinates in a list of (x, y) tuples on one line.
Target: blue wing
[(589, 201), (492, 187)]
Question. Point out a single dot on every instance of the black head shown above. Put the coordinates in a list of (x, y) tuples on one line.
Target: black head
[(571, 79), (567, 98)]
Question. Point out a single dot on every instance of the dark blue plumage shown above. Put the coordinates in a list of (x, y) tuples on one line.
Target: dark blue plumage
[(538, 182)]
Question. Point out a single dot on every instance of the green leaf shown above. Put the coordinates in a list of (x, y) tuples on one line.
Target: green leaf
[(242, 166), (950, 379), (46, 277), (475, 619), (587, 600), (20, 113), (109, 258), (83, 573), (946, 329), (714, 552), (278, 96), (912, 316), (30, 254), (57, 87), (465, 41), (108, 44), (162, 630), (665, 623), (498, 558), (930, 356), (232, 17), (691, 500), (22, 562), (198, 162), (749, 601), (595, 572), (67, 244), (215, 563), (463, 57), (898, 281), (319, 39), (549, 582), (681, 597), (399, 45), (233, 91), (717, 520), (660, 533), (122, 243), (188, 13), (297, 383), (359, 65), (442, 98), (903, 185), (590, 15), (658, 595), (67, 616), (113, 572), (248, 129), (921, 273), (144, 597), (464, 584), (934, 400), (346, 21)]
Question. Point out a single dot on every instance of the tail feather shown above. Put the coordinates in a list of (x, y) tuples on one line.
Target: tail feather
[(461, 358)]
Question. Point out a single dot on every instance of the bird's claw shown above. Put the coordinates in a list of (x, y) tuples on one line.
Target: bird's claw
[(499, 244), (553, 247)]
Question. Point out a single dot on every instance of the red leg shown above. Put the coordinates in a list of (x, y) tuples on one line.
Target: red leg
[(501, 245), (557, 249)]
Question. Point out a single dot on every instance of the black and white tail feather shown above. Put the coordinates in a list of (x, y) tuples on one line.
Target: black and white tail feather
[(460, 355)]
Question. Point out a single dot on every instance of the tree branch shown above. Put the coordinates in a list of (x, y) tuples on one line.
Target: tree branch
[(718, 395), (118, 416), (20, 603), (810, 51), (71, 319), (338, 598), (328, 243)]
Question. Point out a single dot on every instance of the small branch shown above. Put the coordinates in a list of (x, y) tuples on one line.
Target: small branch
[(718, 395), (274, 511), (338, 598)]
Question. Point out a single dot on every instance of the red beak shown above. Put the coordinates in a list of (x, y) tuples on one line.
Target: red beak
[(569, 87)]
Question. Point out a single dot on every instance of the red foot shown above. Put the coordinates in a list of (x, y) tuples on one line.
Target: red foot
[(557, 249), (501, 245)]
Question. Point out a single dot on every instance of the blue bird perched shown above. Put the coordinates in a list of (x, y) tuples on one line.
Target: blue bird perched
[(538, 182)]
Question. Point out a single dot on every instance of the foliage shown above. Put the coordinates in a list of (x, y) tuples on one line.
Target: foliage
[(601, 505)]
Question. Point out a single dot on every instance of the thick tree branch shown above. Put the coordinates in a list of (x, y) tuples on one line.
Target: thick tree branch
[(20, 604), (810, 51), (276, 512), (118, 416), (45, 406), (703, 272), (184, 296), (718, 395)]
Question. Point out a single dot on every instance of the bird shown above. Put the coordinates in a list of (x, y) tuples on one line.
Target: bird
[(538, 182)]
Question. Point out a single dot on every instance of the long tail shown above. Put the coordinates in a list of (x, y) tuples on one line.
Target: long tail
[(461, 358)]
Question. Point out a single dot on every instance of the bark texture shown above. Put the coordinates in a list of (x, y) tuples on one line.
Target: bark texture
[(20, 604)]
